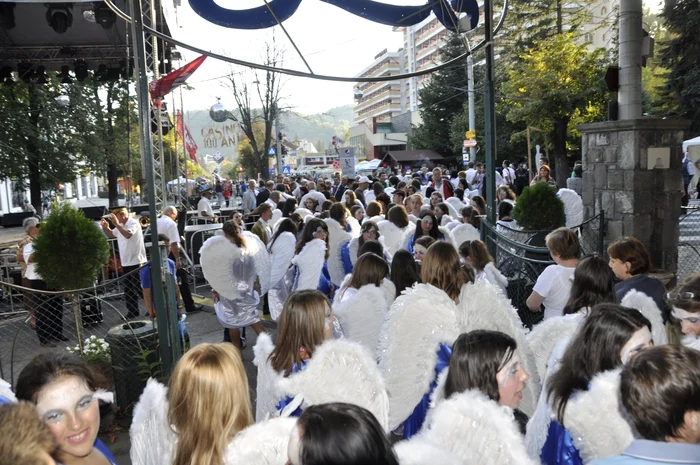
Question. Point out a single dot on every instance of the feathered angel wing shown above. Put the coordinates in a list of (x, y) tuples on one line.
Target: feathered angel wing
[(477, 430), (217, 256), (544, 336), (389, 290), (341, 371), (152, 440), (276, 217), (420, 451), (261, 259), (310, 262), (354, 226), (408, 233), (337, 237), (305, 213), (362, 315), (262, 443), (573, 207), (595, 421), (455, 206), (282, 254), (448, 236), (267, 394), (651, 311), (391, 234), (483, 306), (418, 321), (6, 391), (465, 232)]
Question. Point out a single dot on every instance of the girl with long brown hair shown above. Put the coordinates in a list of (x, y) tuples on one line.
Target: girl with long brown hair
[(311, 257)]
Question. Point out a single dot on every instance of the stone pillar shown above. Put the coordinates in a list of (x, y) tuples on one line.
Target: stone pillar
[(620, 179)]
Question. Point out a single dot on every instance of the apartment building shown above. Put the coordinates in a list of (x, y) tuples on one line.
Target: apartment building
[(380, 100)]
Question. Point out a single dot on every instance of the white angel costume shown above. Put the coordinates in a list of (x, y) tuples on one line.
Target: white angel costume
[(463, 232), (392, 235), (349, 252), (153, 440), (407, 238), (305, 213), (420, 451), (338, 236), (476, 429), (491, 274), (338, 371), (416, 341), (311, 271), (362, 314), (232, 272), (282, 253), (573, 207)]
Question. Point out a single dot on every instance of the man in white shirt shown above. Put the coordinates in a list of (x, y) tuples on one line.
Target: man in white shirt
[(249, 198), (298, 192), (204, 207), (275, 198), (508, 174), (132, 253), (167, 224), (471, 172)]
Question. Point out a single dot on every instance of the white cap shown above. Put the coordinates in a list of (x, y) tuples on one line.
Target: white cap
[(303, 181), (363, 179)]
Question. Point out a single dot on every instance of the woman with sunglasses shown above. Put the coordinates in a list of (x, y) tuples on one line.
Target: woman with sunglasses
[(685, 303), (428, 225), (349, 252), (311, 259)]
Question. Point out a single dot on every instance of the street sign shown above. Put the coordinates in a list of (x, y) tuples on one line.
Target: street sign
[(272, 151), (469, 143), (347, 161), (286, 170), (471, 134), (272, 171), (336, 164)]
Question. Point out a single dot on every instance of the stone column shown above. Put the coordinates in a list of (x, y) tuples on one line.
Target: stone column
[(620, 179)]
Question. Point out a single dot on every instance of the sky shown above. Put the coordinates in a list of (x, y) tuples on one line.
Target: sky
[(333, 42)]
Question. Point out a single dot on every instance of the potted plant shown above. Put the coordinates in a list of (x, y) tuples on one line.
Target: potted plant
[(539, 209), (69, 252)]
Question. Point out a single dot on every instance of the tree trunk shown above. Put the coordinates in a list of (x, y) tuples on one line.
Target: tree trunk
[(264, 166), (112, 193), (33, 159), (561, 161)]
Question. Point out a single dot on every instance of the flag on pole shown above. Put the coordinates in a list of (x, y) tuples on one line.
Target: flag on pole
[(184, 132), (167, 83)]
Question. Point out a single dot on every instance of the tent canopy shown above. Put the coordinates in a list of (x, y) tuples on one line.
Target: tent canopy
[(412, 156), (181, 180), (690, 142)]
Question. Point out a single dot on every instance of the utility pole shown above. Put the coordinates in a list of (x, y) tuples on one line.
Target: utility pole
[(470, 98), (490, 115), (279, 139)]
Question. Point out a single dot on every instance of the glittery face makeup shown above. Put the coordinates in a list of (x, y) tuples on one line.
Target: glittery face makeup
[(72, 413), (690, 322), (640, 340), (294, 447), (332, 329), (511, 382)]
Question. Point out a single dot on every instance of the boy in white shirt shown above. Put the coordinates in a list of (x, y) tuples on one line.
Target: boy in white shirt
[(553, 287)]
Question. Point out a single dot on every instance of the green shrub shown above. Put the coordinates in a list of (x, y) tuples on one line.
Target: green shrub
[(538, 208), (70, 249)]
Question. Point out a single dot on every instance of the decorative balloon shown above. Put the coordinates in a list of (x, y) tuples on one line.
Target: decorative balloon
[(390, 15)]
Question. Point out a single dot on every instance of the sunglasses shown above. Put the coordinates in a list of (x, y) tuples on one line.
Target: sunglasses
[(427, 221), (681, 296)]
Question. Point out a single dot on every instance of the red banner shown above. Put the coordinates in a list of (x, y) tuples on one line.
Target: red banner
[(167, 83), (184, 132)]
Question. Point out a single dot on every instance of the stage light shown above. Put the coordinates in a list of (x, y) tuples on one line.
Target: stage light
[(104, 16), (81, 70), (59, 17), (65, 75), (7, 15)]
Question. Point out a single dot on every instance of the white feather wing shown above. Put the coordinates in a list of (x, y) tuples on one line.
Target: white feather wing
[(449, 237), (545, 335), (595, 421), (282, 254), (337, 237), (267, 392), (408, 233), (418, 321), (465, 232), (152, 440), (573, 207), (483, 306), (310, 262), (455, 206), (262, 443), (261, 259), (392, 235), (477, 430), (217, 256), (651, 311), (362, 316), (276, 217), (420, 451), (341, 371)]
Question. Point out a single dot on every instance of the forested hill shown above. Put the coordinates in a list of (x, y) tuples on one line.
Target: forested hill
[(319, 127)]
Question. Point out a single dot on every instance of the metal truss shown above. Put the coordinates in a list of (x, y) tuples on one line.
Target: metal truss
[(59, 55)]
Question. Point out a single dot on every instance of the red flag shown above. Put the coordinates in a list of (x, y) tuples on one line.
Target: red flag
[(184, 132), (167, 83)]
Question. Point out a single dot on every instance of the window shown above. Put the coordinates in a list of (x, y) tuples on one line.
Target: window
[(603, 12)]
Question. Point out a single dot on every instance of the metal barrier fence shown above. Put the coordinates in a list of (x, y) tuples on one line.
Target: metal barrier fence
[(92, 322), (689, 243), (521, 257)]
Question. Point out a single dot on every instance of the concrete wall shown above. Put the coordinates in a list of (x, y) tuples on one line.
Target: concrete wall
[(637, 201)]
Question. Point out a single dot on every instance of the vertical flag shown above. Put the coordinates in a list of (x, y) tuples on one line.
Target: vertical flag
[(184, 132)]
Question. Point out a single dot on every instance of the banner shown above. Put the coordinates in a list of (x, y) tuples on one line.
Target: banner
[(184, 132), (167, 83)]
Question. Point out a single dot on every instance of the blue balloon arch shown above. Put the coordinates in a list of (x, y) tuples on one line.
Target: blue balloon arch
[(277, 11)]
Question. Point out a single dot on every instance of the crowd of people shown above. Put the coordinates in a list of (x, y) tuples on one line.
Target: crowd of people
[(396, 344)]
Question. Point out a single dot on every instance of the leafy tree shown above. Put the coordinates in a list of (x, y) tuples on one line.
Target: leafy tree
[(681, 55), (538, 208), (442, 100), (194, 170), (556, 82)]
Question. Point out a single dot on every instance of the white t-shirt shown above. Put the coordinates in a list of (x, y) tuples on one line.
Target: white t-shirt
[(131, 251), (471, 172), (30, 272), (167, 226), (204, 206), (554, 284)]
